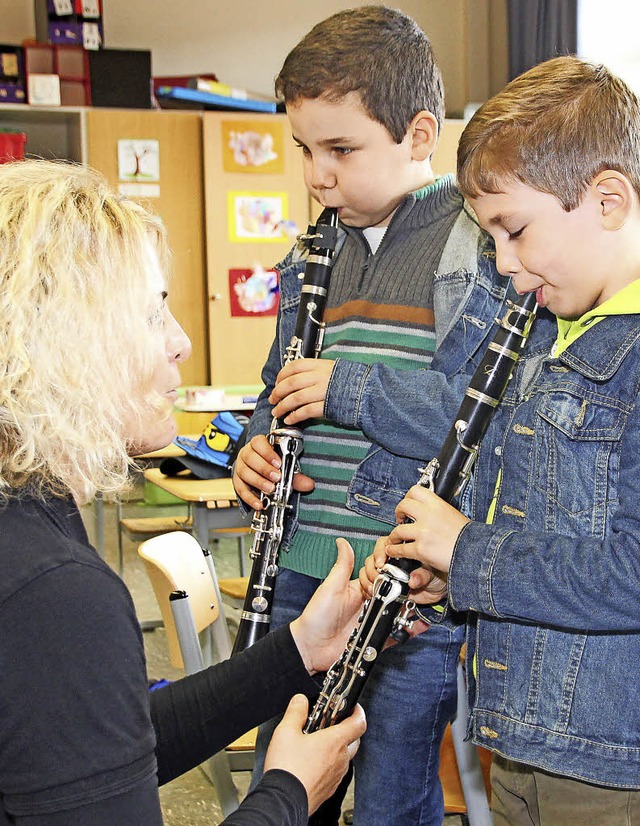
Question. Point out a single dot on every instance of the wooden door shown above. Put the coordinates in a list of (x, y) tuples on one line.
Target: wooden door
[(239, 343), (179, 203), (444, 158)]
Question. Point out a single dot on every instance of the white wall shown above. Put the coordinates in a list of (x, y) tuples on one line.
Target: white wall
[(611, 39), (16, 21), (244, 42)]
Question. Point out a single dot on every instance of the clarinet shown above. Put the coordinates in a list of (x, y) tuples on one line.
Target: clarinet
[(388, 612), (268, 523)]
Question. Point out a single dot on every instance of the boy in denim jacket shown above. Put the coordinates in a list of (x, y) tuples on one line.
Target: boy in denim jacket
[(551, 577), (365, 102)]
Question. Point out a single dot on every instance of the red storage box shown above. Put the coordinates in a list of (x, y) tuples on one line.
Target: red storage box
[(12, 146)]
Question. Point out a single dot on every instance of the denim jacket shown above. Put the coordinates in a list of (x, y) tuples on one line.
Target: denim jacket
[(405, 414), (554, 583)]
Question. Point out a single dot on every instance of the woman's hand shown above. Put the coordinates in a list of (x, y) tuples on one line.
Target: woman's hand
[(319, 760), (321, 632)]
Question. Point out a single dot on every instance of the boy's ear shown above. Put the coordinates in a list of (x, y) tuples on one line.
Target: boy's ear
[(616, 197), (424, 135)]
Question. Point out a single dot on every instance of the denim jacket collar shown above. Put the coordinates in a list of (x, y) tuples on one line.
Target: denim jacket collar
[(598, 356)]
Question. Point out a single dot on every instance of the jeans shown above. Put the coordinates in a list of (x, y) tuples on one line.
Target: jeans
[(408, 700)]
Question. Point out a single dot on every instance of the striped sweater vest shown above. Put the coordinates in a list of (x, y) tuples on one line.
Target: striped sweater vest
[(379, 309)]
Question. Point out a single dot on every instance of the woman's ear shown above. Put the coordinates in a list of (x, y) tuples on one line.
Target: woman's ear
[(424, 135), (616, 197)]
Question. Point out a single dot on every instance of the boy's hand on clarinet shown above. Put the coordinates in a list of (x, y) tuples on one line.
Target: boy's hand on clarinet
[(319, 760), (427, 587), (257, 468), (427, 529), (300, 390), (322, 631), (429, 536)]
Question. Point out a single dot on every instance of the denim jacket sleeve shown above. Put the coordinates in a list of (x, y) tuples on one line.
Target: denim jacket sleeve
[(568, 555), (409, 412)]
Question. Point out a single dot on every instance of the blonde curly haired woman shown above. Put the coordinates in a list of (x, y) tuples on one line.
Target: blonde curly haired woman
[(89, 366)]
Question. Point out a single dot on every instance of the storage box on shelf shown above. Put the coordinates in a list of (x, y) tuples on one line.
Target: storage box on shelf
[(72, 66), (12, 86), (120, 78), (12, 146), (70, 22), (68, 63)]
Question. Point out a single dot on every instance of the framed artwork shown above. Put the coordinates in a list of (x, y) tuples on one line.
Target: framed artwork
[(253, 146), (257, 216), (253, 292), (139, 160)]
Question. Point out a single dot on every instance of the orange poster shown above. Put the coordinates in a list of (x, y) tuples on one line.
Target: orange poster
[(253, 146)]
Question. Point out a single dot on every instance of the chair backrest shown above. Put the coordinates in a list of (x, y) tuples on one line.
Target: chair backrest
[(175, 562), (465, 768)]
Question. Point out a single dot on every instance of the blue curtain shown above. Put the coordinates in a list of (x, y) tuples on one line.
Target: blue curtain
[(539, 30)]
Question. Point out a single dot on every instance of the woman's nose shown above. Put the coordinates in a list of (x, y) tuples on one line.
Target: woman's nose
[(178, 342)]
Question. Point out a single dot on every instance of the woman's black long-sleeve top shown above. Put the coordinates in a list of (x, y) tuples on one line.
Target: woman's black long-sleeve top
[(81, 738)]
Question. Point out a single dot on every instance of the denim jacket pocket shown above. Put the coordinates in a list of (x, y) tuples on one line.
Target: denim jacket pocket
[(379, 483), (579, 444)]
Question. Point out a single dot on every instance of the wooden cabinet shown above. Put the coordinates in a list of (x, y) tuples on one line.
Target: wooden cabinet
[(91, 136), (180, 204), (239, 344)]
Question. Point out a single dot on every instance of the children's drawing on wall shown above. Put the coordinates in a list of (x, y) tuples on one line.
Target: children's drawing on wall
[(139, 160), (253, 292), (252, 146), (257, 216)]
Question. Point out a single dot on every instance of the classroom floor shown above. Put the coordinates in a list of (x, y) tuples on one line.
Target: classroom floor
[(189, 800)]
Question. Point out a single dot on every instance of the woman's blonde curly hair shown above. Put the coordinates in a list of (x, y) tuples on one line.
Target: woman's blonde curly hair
[(79, 328)]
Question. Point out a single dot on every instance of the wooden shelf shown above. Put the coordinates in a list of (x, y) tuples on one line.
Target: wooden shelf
[(52, 132)]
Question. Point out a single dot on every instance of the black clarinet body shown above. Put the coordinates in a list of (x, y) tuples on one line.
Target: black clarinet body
[(269, 522), (388, 612)]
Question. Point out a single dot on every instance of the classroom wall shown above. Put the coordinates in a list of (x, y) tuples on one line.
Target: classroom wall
[(245, 42)]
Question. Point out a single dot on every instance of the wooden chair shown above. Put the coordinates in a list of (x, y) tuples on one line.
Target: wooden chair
[(142, 526), (186, 586), (139, 528)]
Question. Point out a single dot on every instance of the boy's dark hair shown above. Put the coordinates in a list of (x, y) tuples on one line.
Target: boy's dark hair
[(553, 128), (380, 53)]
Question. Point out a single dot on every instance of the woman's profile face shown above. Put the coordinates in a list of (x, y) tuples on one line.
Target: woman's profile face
[(155, 428)]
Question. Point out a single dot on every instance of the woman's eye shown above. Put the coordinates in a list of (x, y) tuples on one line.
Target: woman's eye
[(516, 234), (157, 316)]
